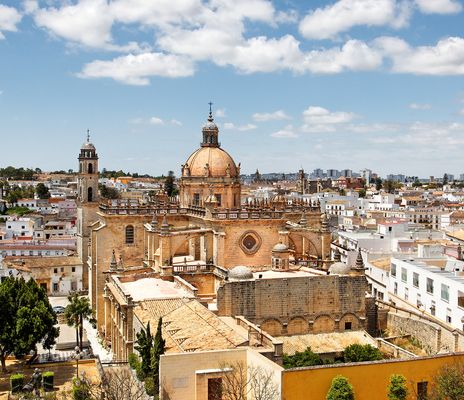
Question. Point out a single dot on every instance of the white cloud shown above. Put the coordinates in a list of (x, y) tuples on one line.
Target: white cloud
[(136, 69), (445, 58), (319, 115), (439, 6), (417, 106), (327, 22), (285, 133), (9, 18), (241, 128), (220, 113), (445, 135), (176, 122), (156, 121), (274, 116), (354, 55), (30, 6)]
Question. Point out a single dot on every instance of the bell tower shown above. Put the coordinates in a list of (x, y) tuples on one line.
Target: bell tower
[(87, 203), (87, 180)]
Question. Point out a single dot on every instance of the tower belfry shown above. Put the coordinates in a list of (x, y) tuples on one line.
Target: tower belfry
[(87, 202)]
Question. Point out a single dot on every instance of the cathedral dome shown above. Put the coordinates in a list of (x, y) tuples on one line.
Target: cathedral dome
[(240, 273), (210, 162), (88, 146), (279, 248), (339, 268)]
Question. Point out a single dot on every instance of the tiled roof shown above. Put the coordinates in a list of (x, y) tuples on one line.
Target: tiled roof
[(188, 326)]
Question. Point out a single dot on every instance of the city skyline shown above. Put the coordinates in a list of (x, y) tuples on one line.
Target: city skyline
[(341, 84)]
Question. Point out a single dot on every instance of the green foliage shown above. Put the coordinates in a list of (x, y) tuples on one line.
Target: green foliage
[(360, 352), (133, 360), (340, 389), (15, 193), (378, 184), (170, 185), (17, 174), (108, 192), (42, 191), (20, 211), (150, 386), (362, 193), (26, 317), (416, 183), (397, 389), (448, 384), (81, 389), (50, 338), (16, 382), (48, 378), (76, 311), (144, 345), (305, 358), (157, 350)]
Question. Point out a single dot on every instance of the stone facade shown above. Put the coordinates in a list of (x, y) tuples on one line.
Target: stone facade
[(297, 305)]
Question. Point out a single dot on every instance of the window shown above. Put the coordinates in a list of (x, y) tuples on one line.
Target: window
[(90, 168), (55, 287), (129, 234), (89, 194), (73, 269), (406, 294), (422, 390), (347, 326), (429, 285), (219, 199), (43, 286), (55, 270), (62, 269), (460, 299), (433, 308), (448, 319), (395, 288), (215, 389), (73, 286), (393, 269), (445, 292), (404, 274), (415, 279)]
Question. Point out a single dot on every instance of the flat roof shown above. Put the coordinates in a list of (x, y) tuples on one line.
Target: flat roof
[(153, 288)]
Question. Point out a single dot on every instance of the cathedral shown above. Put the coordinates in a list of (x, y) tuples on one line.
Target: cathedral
[(207, 228)]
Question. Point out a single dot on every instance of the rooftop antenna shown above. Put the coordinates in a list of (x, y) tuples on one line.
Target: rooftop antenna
[(88, 135)]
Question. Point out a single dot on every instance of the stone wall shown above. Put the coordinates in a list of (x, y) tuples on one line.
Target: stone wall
[(432, 337), (297, 305)]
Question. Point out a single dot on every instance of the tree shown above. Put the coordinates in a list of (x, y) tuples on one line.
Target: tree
[(157, 350), (448, 384), (241, 382), (169, 185), (42, 191), (397, 389), (50, 338), (378, 184), (144, 345), (359, 352), (305, 358), (26, 317), (362, 193), (340, 389), (108, 192), (75, 312)]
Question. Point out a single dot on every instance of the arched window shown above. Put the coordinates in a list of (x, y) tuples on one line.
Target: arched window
[(129, 234), (90, 168), (89, 194)]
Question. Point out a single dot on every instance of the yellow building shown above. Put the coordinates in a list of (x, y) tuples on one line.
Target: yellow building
[(370, 379)]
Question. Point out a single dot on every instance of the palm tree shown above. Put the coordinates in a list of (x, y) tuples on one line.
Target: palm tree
[(75, 312)]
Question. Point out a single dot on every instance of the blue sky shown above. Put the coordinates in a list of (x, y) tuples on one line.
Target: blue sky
[(318, 84)]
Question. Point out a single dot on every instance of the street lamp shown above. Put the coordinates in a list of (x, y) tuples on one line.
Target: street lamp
[(77, 355)]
